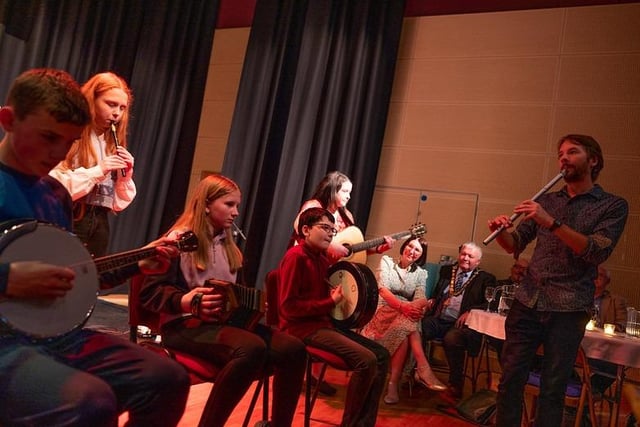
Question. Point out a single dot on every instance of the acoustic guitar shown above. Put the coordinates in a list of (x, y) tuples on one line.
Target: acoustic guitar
[(48, 318), (352, 238)]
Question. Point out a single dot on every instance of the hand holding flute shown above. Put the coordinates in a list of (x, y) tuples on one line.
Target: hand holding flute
[(114, 133), (530, 208)]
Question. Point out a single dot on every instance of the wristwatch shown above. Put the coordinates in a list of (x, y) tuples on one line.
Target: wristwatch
[(556, 223)]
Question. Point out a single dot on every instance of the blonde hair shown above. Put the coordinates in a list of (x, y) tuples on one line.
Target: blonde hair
[(82, 154), (194, 218)]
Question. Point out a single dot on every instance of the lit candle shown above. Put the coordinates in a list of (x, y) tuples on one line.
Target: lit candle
[(609, 328), (591, 325)]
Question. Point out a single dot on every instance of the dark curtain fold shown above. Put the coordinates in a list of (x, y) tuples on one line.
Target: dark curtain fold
[(313, 97), (162, 48)]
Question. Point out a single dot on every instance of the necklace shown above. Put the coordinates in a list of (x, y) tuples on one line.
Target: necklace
[(454, 271)]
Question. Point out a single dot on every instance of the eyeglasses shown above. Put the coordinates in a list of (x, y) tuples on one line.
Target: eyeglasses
[(329, 229)]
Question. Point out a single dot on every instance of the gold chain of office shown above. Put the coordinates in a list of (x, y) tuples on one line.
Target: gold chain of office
[(452, 286)]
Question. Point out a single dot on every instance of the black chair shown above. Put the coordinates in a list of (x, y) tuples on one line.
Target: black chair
[(578, 393)]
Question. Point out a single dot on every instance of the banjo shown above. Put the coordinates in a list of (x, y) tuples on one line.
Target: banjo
[(47, 318)]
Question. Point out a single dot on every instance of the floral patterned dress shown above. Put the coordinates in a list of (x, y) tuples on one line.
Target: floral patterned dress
[(389, 327)]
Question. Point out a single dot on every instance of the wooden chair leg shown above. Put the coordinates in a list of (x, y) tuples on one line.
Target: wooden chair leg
[(470, 361), (265, 400), (307, 394), (311, 392)]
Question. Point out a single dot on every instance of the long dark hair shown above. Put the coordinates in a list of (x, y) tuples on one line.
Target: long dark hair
[(327, 189)]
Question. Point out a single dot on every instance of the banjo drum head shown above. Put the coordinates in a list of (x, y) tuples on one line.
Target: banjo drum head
[(48, 318)]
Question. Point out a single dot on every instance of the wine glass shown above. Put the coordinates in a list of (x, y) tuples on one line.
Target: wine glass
[(489, 294), (595, 316)]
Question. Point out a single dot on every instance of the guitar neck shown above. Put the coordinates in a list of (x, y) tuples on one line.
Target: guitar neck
[(368, 244), (113, 262)]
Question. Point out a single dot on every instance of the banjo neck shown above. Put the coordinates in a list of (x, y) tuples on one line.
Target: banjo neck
[(113, 262), (187, 242)]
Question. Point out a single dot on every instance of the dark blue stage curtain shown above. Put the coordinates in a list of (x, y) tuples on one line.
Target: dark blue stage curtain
[(313, 98), (162, 48)]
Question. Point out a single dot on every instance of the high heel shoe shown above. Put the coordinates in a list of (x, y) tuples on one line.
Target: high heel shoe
[(425, 376)]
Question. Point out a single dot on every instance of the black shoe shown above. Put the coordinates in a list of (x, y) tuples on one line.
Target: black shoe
[(325, 388), (452, 396), (631, 421)]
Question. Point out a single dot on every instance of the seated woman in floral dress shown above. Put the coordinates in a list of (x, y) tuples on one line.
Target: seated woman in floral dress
[(396, 323)]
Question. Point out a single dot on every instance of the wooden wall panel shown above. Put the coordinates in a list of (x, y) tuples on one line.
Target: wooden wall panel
[(602, 29), (483, 80), (495, 175), (224, 87), (229, 46), (536, 32), (600, 79), (621, 175), (218, 119), (500, 127)]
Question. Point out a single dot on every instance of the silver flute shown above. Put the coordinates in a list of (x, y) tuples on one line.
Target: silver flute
[(513, 217), (115, 140)]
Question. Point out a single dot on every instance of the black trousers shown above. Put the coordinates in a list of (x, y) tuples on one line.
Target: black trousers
[(456, 341), (93, 229), (242, 357)]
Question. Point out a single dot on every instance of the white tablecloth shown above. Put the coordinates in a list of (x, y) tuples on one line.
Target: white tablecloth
[(619, 348), (488, 323)]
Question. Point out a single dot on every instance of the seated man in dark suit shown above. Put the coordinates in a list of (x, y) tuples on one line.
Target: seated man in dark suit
[(518, 269), (460, 288), (610, 308)]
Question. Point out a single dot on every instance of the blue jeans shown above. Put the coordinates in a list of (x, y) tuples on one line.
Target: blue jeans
[(526, 329)]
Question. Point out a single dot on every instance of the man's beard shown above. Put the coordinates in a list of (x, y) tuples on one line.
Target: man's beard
[(576, 173)]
